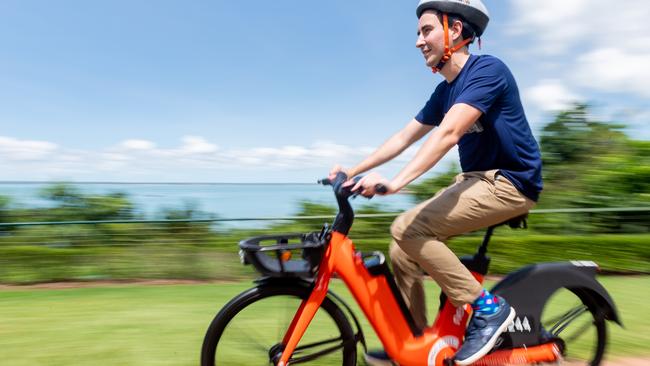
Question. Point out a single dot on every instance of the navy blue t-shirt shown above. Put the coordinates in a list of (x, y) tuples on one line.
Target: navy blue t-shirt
[(501, 138)]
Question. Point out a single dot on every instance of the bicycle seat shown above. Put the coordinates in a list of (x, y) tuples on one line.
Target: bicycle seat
[(518, 222)]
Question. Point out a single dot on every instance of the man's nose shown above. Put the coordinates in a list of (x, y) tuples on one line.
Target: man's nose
[(419, 43)]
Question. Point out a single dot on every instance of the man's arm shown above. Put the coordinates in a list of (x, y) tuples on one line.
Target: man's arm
[(457, 121), (394, 146)]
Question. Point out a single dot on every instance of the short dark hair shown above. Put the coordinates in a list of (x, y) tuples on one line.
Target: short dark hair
[(468, 29)]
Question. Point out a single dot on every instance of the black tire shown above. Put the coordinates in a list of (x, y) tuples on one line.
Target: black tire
[(246, 318), (578, 323)]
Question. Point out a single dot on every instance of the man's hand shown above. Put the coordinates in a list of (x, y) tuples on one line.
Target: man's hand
[(367, 185), (335, 170)]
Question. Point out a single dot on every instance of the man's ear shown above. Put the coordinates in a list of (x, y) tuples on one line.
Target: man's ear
[(456, 30)]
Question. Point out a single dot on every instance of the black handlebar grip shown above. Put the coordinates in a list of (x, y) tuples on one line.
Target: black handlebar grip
[(381, 189)]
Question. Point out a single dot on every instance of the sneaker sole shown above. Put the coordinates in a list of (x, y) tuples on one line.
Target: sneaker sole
[(377, 362), (490, 344)]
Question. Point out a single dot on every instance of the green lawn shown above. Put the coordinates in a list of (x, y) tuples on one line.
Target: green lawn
[(164, 325)]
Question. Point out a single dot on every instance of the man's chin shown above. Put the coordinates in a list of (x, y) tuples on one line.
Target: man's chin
[(430, 63)]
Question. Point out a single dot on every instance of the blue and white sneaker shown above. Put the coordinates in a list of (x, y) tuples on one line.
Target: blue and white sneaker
[(378, 358), (483, 331)]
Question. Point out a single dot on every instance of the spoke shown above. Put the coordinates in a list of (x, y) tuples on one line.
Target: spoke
[(567, 319), (551, 321), (252, 340), (317, 344), (316, 355), (581, 331), (283, 321)]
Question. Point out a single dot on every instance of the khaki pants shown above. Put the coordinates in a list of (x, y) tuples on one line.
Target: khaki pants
[(475, 200)]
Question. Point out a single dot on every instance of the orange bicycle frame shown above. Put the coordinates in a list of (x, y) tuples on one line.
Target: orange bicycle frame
[(436, 344)]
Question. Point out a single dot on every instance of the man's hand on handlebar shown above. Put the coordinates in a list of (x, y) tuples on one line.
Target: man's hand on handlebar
[(366, 186), (373, 184), (336, 169)]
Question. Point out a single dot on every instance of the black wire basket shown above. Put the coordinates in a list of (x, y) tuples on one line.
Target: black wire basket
[(284, 255)]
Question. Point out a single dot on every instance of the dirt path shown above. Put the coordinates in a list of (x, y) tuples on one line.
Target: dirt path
[(628, 361), (71, 285)]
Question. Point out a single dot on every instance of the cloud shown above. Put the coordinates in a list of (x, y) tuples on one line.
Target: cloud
[(550, 95), (597, 70), (136, 144), (195, 159), (599, 47), (15, 149), (557, 26), (197, 145), (554, 25)]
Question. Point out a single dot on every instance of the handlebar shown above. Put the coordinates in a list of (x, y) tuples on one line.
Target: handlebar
[(379, 188), (345, 217)]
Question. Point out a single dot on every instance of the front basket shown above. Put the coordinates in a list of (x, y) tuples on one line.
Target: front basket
[(284, 255)]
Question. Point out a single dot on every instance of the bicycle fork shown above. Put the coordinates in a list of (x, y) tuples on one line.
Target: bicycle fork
[(306, 311)]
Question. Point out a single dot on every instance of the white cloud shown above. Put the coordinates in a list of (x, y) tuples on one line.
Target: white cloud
[(614, 70), (195, 160), (550, 95), (600, 48), (560, 26), (197, 145), (15, 149), (136, 144), (554, 25)]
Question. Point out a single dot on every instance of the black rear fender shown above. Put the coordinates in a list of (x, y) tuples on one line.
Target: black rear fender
[(529, 288)]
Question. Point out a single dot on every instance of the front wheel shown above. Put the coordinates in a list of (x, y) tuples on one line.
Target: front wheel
[(250, 328), (579, 327)]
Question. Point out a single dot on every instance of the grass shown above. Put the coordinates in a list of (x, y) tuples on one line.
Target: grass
[(164, 325)]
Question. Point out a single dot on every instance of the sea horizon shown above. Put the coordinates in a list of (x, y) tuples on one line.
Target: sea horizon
[(222, 200)]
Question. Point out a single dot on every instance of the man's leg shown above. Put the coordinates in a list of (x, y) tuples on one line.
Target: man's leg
[(476, 200), (408, 276)]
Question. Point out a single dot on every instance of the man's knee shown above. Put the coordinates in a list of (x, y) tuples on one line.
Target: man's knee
[(397, 255), (408, 227), (400, 227)]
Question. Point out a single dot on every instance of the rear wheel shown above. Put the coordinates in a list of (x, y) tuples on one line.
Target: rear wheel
[(578, 325), (250, 328)]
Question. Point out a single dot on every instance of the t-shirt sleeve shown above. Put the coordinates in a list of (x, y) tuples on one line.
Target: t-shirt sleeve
[(485, 85), (431, 114)]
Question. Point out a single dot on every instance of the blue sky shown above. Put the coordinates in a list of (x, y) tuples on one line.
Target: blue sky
[(260, 91)]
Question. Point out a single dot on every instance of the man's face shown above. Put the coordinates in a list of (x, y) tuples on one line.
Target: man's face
[(430, 38)]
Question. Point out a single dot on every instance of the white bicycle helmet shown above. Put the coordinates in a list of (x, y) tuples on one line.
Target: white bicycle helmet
[(473, 11)]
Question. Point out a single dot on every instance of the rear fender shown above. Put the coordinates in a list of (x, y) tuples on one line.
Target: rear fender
[(529, 288)]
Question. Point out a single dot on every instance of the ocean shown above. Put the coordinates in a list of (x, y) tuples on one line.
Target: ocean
[(222, 200)]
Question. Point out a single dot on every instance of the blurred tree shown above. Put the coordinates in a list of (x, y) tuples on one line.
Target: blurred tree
[(70, 204), (586, 163), (428, 188), (191, 231), (574, 138), (5, 213)]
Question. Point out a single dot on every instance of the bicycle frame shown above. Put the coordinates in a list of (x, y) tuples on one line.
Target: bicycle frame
[(434, 346)]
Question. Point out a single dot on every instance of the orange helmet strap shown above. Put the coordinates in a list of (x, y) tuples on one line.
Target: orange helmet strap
[(448, 51)]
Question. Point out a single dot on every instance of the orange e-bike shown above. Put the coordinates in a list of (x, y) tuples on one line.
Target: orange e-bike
[(292, 317)]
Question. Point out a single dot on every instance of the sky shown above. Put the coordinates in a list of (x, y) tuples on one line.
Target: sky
[(276, 91)]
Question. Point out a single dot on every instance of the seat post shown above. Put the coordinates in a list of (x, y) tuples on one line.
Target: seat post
[(482, 250)]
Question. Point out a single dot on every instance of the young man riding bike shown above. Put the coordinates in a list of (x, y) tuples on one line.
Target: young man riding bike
[(478, 108)]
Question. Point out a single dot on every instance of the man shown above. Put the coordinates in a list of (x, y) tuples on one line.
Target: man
[(478, 108)]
